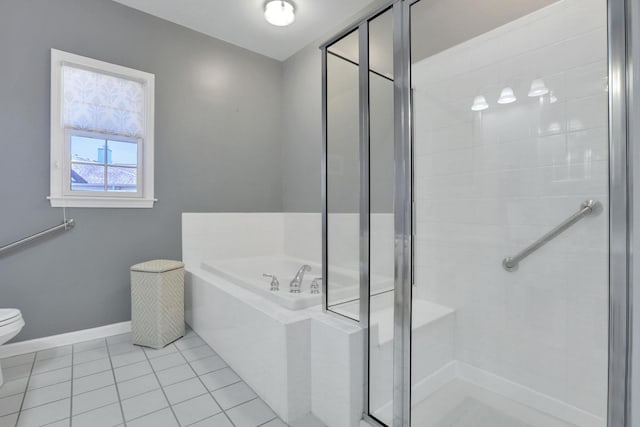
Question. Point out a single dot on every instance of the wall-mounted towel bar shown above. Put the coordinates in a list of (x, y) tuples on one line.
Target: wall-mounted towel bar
[(587, 207), (66, 225)]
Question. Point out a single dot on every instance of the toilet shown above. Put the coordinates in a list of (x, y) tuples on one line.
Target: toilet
[(11, 323)]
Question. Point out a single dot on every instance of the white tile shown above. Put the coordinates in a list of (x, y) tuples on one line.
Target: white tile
[(279, 423), (12, 387), (196, 353), (62, 423), (128, 358), (90, 368), (162, 418), (166, 362), (184, 390), (92, 382), (22, 359), (251, 414), (107, 416), (94, 399), (54, 352), (234, 395), (121, 348), (190, 342), (51, 364), (175, 374), (219, 420), (143, 404), (90, 355), (9, 420), (11, 404), (196, 409), (152, 353), (134, 370), (49, 378), (40, 396), (208, 364), (45, 414), (89, 345), (15, 372), (137, 386), (122, 338), (307, 421), (220, 378)]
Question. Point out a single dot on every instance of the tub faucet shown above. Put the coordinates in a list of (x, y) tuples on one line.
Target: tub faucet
[(294, 285), (275, 285)]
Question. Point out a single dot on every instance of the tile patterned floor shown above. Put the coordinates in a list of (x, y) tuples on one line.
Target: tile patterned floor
[(110, 382)]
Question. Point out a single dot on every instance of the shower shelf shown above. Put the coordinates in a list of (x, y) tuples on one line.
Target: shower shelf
[(424, 313)]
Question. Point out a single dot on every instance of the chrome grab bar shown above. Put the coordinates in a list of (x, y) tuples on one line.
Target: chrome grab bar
[(66, 225), (587, 207)]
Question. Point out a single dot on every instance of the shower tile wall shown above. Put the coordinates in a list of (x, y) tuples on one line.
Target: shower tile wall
[(489, 183)]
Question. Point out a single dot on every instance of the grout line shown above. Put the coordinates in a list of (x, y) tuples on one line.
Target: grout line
[(48, 385), (96, 408), (48, 403), (246, 401), (267, 422), (71, 394), (113, 374), (26, 387), (64, 398), (53, 422), (205, 386), (150, 413), (93, 373), (229, 385), (191, 398), (161, 388)]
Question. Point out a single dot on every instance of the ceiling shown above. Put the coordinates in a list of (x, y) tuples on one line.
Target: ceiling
[(241, 22), (436, 25)]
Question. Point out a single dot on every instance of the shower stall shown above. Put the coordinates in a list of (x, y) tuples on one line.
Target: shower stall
[(476, 209)]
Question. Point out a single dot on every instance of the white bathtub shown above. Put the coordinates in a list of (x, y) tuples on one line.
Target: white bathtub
[(248, 273)]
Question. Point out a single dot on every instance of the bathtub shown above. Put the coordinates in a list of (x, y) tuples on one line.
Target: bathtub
[(248, 272)]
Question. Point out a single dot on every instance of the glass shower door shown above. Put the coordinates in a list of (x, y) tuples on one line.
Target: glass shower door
[(381, 217), (510, 142), (342, 172)]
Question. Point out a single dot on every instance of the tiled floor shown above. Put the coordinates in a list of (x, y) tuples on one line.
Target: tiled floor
[(110, 382)]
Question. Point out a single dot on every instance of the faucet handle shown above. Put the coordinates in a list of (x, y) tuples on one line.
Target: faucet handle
[(315, 285), (275, 284)]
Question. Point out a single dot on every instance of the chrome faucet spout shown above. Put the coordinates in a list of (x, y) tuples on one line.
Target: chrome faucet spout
[(296, 283)]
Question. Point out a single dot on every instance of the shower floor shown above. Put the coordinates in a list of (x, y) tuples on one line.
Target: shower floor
[(462, 404)]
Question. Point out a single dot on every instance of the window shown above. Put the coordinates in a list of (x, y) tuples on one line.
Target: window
[(101, 134)]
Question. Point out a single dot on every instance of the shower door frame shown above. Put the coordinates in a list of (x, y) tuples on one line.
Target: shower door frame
[(623, 21)]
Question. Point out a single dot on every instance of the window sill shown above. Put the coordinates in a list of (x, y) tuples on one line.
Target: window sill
[(100, 202)]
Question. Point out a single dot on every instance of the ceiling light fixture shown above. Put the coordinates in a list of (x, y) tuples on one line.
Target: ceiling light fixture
[(279, 12), (479, 103), (538, 88), (507, 96)]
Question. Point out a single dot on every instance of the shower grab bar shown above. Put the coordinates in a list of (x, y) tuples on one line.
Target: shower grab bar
[(587, 207), (66, 225)]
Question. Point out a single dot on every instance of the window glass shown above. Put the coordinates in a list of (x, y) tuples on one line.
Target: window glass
[(123, 153)]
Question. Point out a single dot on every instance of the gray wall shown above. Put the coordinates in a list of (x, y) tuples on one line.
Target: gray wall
[(302, 139), (218, 148)]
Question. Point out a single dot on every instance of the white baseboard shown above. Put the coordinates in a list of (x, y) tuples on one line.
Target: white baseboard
[(75, 337)]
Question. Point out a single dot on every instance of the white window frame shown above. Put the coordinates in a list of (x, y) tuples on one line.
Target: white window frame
[(61, 194)]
